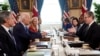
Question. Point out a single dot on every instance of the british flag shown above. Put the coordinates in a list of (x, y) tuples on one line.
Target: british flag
[(84, 7), (34, 9)]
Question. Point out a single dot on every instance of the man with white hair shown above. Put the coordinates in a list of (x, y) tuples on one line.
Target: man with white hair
[(21, 33)]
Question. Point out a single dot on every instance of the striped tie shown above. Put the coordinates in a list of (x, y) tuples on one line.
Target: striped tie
[(12, 37)]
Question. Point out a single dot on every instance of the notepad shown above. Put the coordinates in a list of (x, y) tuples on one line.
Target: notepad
[(35, 54)]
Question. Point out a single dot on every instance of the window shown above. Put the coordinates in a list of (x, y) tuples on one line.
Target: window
[(94, 1), (51, 13), (4, 2), (1, 1)]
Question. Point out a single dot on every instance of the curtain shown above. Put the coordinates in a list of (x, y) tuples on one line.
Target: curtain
[(62, 5), (66, 9), (89, 2), (39, 6), (14, 6)]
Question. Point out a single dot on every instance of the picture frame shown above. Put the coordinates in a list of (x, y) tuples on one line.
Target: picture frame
[(17, 3), (33, 2), (25, 5), (75, 4)]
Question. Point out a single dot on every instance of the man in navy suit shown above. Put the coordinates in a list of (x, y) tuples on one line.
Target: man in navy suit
[(91, 33), (7, 42), (21, 33), (81, 27)]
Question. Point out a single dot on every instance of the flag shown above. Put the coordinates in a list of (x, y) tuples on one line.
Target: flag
[(66, 11), (14, 6), (84, 7), (66, 14), (34, 9), (14, 14), (35, 12)]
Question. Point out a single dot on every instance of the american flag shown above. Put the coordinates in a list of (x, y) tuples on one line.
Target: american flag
[(14, 6), (14, 14), (66, 11), (34, 11), (66, 14)]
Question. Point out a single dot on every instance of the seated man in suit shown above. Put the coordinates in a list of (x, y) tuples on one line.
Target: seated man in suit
[(21, 33), (7, 41), (81, 27), (91, 33)]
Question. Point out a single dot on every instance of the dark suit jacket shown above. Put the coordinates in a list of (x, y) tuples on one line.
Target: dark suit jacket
[(80, 32), (6, 44), (22, 37), (92, 37), (1, 52), (67, 26)]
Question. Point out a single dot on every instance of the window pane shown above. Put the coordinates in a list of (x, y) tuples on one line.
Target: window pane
[(94, 1), (51, 12)]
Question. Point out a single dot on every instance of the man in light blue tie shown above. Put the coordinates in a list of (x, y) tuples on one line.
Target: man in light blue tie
[(21, 33)]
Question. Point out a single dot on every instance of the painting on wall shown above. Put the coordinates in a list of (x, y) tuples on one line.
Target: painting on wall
[(25, 5), (75, 4)]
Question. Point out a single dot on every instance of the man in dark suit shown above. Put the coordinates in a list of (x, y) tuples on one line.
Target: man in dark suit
[(21, 33), (81, 27), (7, 41), (91, 34)]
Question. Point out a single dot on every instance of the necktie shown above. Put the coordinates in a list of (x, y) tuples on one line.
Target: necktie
[(78, 29), (12, 37), (26, 29)]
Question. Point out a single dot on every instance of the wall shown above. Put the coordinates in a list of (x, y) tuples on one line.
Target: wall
[(75, 12), (72, 11)]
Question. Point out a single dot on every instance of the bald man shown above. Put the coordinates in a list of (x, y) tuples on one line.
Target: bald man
[(21, 33)]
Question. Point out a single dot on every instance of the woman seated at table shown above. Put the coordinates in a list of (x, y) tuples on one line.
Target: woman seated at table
[(66, 24), (34, 29), (75, 24)]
